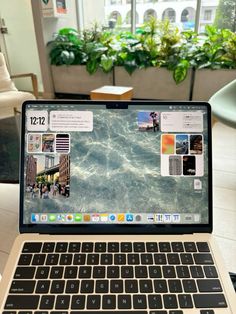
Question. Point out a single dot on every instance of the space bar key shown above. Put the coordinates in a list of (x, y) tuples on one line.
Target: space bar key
[(22, 302), (106, 312)]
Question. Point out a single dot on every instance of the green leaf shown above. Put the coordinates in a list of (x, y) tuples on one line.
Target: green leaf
[(92, 66), (181, 71), (106, 63)]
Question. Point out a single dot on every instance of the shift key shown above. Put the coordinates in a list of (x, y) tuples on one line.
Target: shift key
[(22, 302), (209, 300)]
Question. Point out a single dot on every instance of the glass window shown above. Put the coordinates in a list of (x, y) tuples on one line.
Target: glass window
[(128, 18), (207, 15)]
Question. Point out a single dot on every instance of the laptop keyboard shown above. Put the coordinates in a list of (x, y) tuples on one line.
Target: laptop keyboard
[(145, 278)]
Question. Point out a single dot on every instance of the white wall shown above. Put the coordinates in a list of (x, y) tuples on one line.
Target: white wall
[(20, 41), (93, 12)]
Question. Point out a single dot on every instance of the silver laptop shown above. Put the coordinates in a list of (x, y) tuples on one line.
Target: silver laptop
[(115, 212)]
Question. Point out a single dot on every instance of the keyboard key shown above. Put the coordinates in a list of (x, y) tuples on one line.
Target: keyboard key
[(196, 271), (42, 286), (175, 286), (48, 247), (42, 273), (101, 286), (131, 286), (210, 271), (93, 302), (160, 286), (87, 247), (145, 286), (9, 312), (139, 246), (127, 272), (22, 302), (116, 286), (182, 271), (119, 259), (52, 259), (85, 271), (177, 247), (154, 272), (154, 301), (57, 286), (47, 302), (39, 259), (62, 302), (113, 272), (71, 272), (189, 285), (78, 302), (42, 312), (170, 301), (100, 247), (209, 285), (108, 302), (186, 258), (151, 247), (74, 247), (25, 259), (79, 259), (160, 259), (190, 247), (126, 247), (124, 302), (203, 259), (99, 271), (133, 259), (93, 259), (106, 259), (72, 286), (24, 272), (87, 286), (185, 301), (56, 272), (203, 247), (61, 247), (32, 247), (113, 247), (66, 259), (164, 247), (169, 272), (141, 272), (22, 286), (139, 301), (209, 300), (107, 312), (146, 259), (207, 312), (173, 259)]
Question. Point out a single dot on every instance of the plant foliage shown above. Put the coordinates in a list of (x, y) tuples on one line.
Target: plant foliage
[(155, 44)]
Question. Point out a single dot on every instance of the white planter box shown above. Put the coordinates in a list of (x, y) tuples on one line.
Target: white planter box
[(74, 79), (207, 82), (153, 83)]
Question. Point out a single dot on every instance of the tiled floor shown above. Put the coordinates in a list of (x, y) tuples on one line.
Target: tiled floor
[(224, 165)]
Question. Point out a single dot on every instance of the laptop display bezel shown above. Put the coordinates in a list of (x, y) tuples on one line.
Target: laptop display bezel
[(115, 228)]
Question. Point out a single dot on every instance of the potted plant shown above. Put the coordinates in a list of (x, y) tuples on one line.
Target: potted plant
[(80, 63), (215, 62), (150, 63)]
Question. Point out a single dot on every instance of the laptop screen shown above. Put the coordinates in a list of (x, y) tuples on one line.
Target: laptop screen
[(86, 164)]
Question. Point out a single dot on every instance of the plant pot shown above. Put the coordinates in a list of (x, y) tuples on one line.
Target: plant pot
[(75, 79), (207, 82), (153, 83)]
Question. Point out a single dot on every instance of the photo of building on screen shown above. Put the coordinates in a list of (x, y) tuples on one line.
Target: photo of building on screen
[(47, 176)]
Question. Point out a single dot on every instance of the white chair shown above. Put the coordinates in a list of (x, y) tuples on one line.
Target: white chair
[(10, 97)]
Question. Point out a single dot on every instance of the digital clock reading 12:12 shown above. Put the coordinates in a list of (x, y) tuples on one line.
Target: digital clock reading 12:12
[(37, 120)]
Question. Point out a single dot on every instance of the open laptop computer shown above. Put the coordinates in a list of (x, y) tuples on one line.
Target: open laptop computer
[(115, 212)]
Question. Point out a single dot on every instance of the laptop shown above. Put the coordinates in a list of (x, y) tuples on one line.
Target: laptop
[(116, 212)]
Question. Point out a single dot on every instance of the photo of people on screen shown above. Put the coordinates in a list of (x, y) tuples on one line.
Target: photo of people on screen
[(47, 176), (148, 121)]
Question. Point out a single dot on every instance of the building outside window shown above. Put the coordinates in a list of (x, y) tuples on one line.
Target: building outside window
[(118, 13)]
